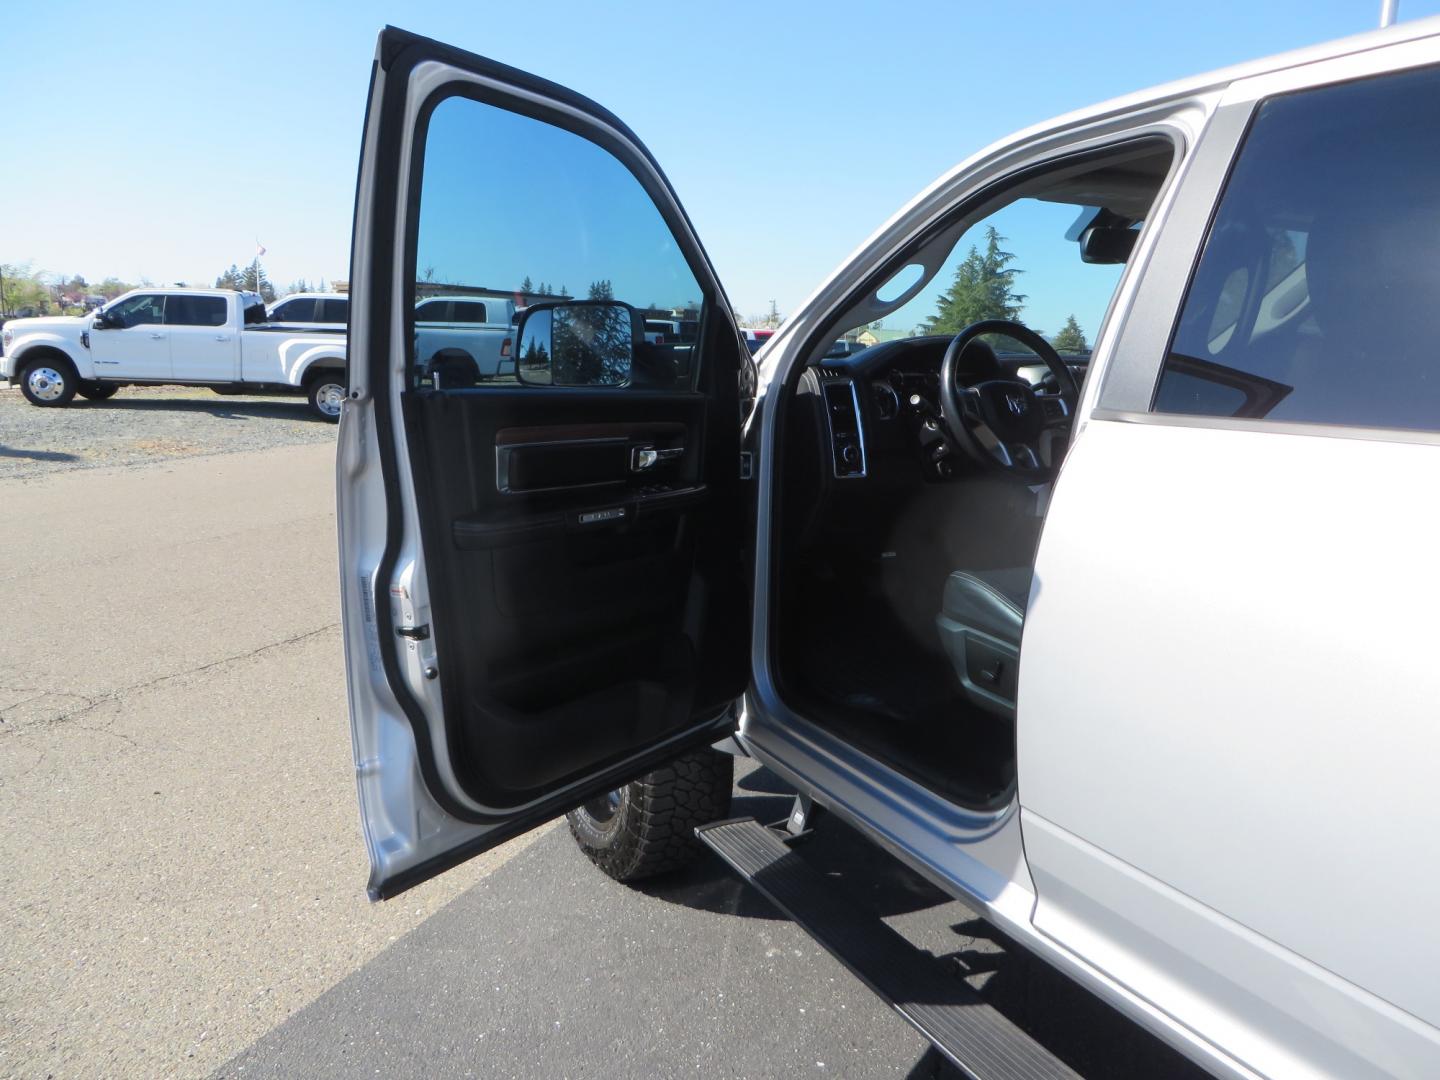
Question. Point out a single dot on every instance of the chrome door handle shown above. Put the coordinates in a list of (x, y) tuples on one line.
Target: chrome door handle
[(647, 457)]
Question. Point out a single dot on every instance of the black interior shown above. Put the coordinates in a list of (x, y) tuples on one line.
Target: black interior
[(589, 608), (904, 565), (864, 562)]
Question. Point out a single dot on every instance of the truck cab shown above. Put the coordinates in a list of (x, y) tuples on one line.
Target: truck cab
[(1065, 634)]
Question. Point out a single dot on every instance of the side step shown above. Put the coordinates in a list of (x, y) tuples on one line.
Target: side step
[(978, 1040)]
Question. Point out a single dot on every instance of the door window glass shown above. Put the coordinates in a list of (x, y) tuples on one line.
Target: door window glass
[(432, 311), (334, 311), (139, 311), (1315, 297), (195, 311), (302, 310), (563, 223)]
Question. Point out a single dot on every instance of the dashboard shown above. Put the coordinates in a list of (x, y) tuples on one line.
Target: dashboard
[(881, 407)]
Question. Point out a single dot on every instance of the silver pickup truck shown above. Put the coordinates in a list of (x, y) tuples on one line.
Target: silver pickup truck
[(1133, 652)]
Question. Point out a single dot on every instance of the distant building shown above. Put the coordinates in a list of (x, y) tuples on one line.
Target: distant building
[(876, 335), (440, 288)]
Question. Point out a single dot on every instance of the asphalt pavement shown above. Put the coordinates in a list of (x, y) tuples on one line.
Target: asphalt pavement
[(184, 875)]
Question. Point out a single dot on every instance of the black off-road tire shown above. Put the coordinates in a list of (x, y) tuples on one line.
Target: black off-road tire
[(94, 391), (648, 826)]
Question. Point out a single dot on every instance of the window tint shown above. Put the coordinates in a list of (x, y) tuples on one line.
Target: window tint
[(334, 311), (573, 226), (1317, 296), (433, 311), (139, 311), (195, 311), (302, 310), (466, 311)]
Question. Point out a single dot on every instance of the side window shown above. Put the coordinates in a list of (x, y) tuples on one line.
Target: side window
[(295, 311), (466, 311), (1314, 299), (434, 311), (565, 225), (140, 311), (334, 311), (195, 311)]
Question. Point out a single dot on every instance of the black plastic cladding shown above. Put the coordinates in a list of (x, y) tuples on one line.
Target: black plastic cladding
[(399, 53)]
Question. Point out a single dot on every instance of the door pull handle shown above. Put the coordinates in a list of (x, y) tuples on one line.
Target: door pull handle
[(643, 458), (157, 337)]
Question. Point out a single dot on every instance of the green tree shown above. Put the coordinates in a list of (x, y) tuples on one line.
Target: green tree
[(231, 279), (254, 280), (984, 288), (1070, 339), (112, 287), (526, 286), (22, 292)]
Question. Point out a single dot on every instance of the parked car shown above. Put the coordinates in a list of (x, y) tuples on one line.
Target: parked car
[(190, 337), (1132, 654), (755, 338), (464, 339), (319, 310)]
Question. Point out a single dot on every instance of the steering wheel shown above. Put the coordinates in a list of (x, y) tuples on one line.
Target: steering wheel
[(1001, 423)]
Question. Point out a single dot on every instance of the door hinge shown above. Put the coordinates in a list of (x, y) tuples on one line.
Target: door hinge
[(414, 633)]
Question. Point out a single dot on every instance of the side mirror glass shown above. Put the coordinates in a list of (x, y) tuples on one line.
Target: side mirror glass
[(583, 343)]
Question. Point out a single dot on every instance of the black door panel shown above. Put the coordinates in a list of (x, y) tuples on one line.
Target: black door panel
[(588, 609)]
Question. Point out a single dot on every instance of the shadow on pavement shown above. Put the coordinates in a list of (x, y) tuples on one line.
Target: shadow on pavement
[(285, 408), (35, 455), (1084, 1031)]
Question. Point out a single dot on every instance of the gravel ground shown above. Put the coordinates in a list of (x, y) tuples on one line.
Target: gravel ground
[(141, 425)]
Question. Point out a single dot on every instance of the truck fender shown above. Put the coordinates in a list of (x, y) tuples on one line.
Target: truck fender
[(52, 343), (299, 361)]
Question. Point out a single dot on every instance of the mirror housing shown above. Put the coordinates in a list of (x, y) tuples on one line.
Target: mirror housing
[(1107, 245), (104, 321), (576, 343)]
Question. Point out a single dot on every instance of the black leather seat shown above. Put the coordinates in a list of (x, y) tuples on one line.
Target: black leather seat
[(980, 621), (990, 601)]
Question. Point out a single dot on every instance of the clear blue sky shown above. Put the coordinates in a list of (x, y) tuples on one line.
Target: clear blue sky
[(161, 140)]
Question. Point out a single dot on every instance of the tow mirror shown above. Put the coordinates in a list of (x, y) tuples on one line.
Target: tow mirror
[(580, 343)]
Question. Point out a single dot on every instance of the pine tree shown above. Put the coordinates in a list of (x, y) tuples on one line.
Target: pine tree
[(526, 286), (253, 279), (231, 279), (984, 288), (1070, 339)]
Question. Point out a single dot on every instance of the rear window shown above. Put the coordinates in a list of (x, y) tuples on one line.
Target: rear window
[(467, 311), (1317, 296), (195, 311)]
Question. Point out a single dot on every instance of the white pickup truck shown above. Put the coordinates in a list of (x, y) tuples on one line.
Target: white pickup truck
[(461, 340), (196, 337)]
